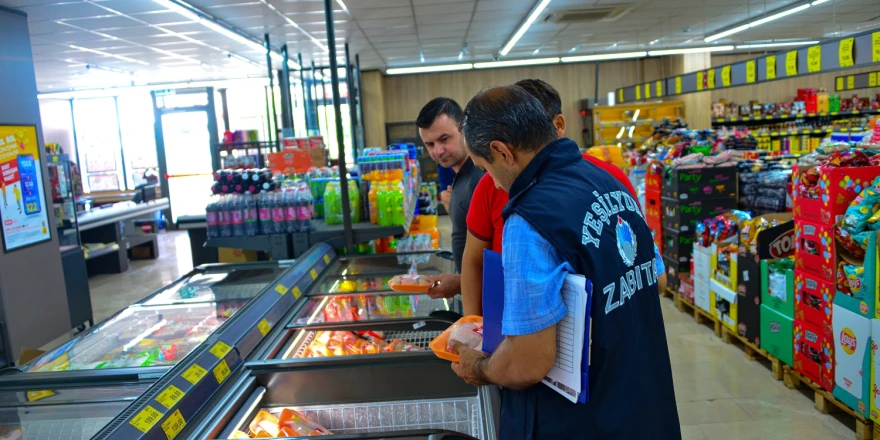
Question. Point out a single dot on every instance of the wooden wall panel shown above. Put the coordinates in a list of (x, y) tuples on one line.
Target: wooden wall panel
[(406, 94), (373, 93)]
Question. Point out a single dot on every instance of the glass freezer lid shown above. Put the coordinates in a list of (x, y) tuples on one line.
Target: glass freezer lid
[(74, 421), (391, 264), (307, 343), (55, 395), (140, 337), (218, 284), (368, 307), (363, 283)]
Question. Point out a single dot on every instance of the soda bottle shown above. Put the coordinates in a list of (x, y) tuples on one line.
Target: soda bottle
[(237, 208), (398, 217), (305, 207), (264, 212), (374, 202), (354, 197), (278, 216), (224, 217), (211, 218), (251, 220), (289, 204), (332, 205), (383, 206)]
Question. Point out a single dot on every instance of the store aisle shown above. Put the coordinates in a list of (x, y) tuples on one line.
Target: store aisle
[(721, 395)]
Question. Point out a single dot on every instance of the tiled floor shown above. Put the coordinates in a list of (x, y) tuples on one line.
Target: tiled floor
[(720, 394)]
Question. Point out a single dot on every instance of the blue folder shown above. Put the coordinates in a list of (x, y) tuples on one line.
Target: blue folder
[(493, 310)]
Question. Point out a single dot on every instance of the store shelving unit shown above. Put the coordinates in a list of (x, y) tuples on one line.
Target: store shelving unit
[(789, 117), (108, 225), (603, 124), (256, 149)]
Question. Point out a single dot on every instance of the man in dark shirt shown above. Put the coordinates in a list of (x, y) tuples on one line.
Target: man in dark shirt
[(439, 125)]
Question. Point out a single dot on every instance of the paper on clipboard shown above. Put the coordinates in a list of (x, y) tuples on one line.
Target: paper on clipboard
[(565, 376)]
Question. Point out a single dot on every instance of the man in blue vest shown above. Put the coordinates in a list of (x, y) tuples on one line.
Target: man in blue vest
[(566, 216)]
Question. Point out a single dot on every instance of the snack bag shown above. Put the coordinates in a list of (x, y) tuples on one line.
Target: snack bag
[(264, 424), (470, 335), (855, 278)]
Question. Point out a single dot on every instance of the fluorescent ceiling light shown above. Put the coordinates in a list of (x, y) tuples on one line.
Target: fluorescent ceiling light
[(527, 62), (657, 53), (818, 2), (756, 23), (605, 56), (542, 4), (429, 69), (142, 89), (791, 43)]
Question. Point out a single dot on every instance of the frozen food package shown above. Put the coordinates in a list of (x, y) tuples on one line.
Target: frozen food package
[(293, 423), (471, 335)]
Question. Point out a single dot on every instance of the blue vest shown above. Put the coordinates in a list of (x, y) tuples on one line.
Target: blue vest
[(593, 222)]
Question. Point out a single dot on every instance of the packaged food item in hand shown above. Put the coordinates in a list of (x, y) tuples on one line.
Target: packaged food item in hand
[(471, 335), (413, 280)]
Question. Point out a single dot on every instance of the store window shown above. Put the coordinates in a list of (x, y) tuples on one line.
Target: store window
[(99, 148), (138, 138)]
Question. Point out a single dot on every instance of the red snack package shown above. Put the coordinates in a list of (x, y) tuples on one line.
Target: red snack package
[(846, 240), (842, 282)]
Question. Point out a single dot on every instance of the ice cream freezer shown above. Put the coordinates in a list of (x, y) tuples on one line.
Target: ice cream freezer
[(394, 396)]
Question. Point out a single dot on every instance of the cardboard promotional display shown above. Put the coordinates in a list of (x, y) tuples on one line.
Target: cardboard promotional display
[(814, 354), (700, 183), (678, 245), (852, 355), (815, 252), (723, 304), (863, 290), (874, 395), (702, 268), (683, 216), (777, 290), (724, 264), (813, 300), (674, 270), (776, 334), (837, 188), (771, 243)]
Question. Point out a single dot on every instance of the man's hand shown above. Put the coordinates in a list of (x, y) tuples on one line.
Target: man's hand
[(468, 367), (446, 196), (445, 285)]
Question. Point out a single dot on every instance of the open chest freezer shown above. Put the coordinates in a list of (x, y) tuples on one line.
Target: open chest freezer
[(63, 411), (395, 396)]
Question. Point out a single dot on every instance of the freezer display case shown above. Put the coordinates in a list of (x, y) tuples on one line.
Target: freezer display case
[(148, 337), (369, 307), (63, 411), (364, 398)]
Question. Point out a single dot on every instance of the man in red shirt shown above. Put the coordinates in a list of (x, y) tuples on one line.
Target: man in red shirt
[(484, 222)]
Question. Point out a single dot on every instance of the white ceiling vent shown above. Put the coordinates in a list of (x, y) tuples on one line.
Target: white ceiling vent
[(587, 15)]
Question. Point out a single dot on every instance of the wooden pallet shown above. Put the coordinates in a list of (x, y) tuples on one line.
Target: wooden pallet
[(668, 292), (700, 315), (826, 403), (753, 352)]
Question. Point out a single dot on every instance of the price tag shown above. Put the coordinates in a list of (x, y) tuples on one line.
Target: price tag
[(710, 79), (34, 396), (751, 71), (771, 67), (194, 374), (264, 326), (725, 76), (170, 396), (620, 95), (850, 82), (678, 85), (845, 52), (55, 159), (638, 93), (173, 425), (658, 86), (699, 80), (281, 289), (146, 419), (221, 371), (296, 292), (814, 59), (875, 42), (313, 273), (326, 259), (220, 349), (791, 66), (647, 90), (839, 84), (872, 79)]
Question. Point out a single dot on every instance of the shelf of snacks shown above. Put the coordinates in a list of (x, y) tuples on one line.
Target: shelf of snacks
[(630, 123), (809, 104)]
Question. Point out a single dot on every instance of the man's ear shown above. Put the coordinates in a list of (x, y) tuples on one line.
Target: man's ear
[(559, 122), (501, 152)]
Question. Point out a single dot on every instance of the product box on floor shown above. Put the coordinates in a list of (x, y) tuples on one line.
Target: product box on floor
[(678, 245), (852, 355), (723, 304), (815, 253), (673, 270), (777, 290), (857, 279), (701, 275), (777, 332), (686, 289), (874, 395), (814, 354), (683, 215), (770, 244), (700, 183), (724, 265), (812, 300), (836, 188)]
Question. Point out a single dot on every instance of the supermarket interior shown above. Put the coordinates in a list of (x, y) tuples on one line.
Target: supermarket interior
[(255, 219)]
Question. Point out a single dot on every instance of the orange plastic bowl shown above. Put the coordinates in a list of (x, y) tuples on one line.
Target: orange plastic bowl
[(409, 288), (438, 345)]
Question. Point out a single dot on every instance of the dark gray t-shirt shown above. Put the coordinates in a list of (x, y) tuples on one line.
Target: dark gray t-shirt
[(462, 190)]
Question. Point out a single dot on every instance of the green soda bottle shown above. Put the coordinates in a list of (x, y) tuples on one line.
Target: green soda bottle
[(399, 216), (384, 205)]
